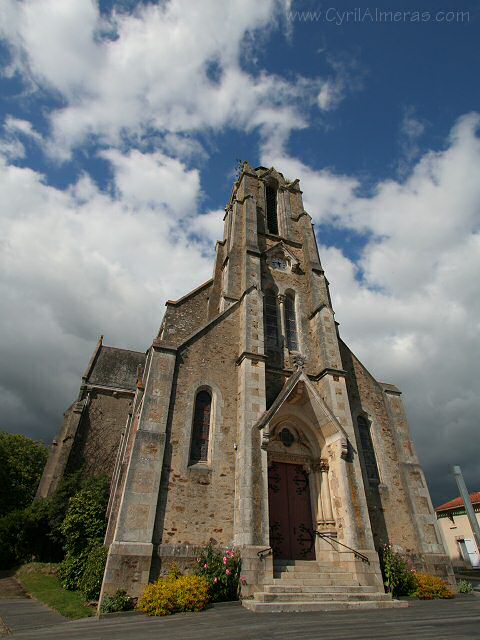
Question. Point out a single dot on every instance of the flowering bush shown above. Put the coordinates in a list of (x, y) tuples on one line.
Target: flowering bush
[(430, 587), (174, 594), (222, 572), (402, 581), (399, 580)]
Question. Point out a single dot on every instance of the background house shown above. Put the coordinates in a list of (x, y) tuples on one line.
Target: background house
[(457, 532)]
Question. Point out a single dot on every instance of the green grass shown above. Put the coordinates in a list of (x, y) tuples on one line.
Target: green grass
[(40, 581)]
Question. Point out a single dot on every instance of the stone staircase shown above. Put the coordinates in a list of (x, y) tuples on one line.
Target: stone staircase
[(308, 585)]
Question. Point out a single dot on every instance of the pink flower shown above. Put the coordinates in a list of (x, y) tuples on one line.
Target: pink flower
[(205, 566), (225, 560), (215, 580), (228, 572), (243, 580)]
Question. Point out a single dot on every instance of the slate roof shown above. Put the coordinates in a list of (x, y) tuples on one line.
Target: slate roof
[(116, 368), (458, 502)]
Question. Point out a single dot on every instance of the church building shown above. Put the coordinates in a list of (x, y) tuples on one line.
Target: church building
[(250, 422)]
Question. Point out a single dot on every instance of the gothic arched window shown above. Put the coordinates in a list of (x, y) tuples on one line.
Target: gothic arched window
[(201, 427), (271, 199), (368, 450), (271, 319), (291, 323)]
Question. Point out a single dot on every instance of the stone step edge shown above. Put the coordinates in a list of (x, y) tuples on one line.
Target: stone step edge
[(279, 607), (317, 597), (318, 588)]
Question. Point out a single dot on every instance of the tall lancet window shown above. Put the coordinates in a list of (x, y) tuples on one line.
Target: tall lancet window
[(291, 323), (201, 427), (368, 450), (271, 319), (271, 198)]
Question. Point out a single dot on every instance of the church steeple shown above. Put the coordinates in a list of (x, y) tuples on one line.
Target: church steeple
[(269, 243)]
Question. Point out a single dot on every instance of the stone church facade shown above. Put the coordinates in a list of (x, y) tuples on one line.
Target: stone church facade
[(250, 422)]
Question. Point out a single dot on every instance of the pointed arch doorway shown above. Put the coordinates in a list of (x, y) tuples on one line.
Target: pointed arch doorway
[(290, 513), (290, 498)]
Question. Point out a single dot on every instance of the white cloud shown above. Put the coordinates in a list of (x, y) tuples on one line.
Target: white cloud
[(154, 180), (78, 263), (347, 77), (12, 148), (412, 129), (208, 227), (18, 126), (150, 70), (10, 145), (331, 94)]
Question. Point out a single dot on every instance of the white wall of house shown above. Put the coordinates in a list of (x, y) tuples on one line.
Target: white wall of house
[(459, 541)]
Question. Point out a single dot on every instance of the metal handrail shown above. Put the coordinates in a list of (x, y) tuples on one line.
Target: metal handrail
[(329, 538), (264, 552)]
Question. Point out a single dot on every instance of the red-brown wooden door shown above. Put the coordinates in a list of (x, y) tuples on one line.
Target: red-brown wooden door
[(290, 512)]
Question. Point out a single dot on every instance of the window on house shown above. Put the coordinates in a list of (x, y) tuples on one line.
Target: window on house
[(271, 198), (271, 319), (290, 322), (201, 427), (368, 450)]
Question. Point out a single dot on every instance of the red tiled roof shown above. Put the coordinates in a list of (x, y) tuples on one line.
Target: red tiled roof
[(458, 502)]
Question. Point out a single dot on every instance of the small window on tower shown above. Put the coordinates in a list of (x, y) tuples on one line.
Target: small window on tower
[(271, 198), (201, 427), (367, 449), (291, 323)]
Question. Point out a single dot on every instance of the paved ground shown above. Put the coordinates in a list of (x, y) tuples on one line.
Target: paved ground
[(19, 612), (457, 619)]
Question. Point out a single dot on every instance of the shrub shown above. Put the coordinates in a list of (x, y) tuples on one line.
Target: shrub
[(90, 582), (222, 572), (172, 595), (430, 587), (120, 601), (464, 586), (398, 578), (70, 570), (84, 521), (83, 529)]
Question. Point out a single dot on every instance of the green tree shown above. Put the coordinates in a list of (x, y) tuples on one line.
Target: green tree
[(21, 464)]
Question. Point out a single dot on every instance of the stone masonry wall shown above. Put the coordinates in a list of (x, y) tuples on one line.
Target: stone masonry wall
[(186, 316), (196, 502), (99, 432), (390, 513)]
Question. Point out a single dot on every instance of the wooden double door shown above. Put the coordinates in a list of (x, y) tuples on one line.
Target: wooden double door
[(290, 513)]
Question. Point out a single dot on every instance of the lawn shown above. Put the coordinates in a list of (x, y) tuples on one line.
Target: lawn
[(40, 581)]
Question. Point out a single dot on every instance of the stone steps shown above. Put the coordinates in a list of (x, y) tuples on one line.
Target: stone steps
[(304, 585), (320, 581), (316, 596), (310, 575), (313, 568), (280, 588)]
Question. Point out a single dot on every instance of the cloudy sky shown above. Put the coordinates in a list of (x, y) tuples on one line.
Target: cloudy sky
[(121, 124)]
